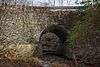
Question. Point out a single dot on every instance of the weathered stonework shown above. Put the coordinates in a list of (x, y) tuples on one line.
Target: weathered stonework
[(25, 25), (20, 24)]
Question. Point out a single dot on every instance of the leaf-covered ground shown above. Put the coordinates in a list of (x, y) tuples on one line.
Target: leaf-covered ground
[(45, 61)]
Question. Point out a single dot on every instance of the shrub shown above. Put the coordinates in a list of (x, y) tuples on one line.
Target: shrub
[(84, 36)]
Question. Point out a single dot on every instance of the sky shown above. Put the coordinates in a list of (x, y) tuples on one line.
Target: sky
[(65, 2)]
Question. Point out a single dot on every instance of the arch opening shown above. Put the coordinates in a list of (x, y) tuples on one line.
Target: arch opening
[(53, 38), (59, 30)]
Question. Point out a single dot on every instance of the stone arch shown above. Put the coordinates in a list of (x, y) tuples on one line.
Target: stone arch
[(54, 37), (59, 30)]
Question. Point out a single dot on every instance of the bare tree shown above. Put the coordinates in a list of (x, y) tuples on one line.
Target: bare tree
[(13, 2), (51, 3), (60, 2)]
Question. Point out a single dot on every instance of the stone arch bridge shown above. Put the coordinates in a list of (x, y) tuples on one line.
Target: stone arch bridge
[(46, 25), (24, 20)]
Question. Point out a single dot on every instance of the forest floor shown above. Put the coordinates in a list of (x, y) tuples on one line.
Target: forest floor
[(48, 61)]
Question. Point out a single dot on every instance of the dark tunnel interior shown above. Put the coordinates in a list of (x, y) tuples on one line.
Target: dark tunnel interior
[(59, 30)]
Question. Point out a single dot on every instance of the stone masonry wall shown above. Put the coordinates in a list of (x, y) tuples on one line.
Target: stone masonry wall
[(20, 24)]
